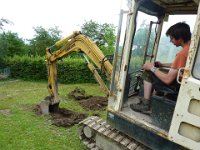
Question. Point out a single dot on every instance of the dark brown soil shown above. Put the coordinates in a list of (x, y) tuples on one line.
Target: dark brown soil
[(87, 101), (78, 94), (63, 117), (94, 103), (66, 118)]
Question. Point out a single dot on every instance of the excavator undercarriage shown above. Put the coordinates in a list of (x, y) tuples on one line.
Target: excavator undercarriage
[(96, 134)]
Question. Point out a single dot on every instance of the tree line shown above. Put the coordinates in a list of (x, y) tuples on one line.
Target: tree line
[(11, 44), (103, 34)]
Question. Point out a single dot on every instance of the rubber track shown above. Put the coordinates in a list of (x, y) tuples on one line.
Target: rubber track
[(100, 126)]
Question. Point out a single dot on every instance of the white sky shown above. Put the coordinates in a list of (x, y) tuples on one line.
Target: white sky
[(68, 15)]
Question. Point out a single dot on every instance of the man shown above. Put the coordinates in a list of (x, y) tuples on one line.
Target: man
[(180, 35)]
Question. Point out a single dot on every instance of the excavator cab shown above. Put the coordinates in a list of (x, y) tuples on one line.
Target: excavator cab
[(175, 119)]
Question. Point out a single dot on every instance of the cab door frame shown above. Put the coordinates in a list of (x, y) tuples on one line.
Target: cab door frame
[(185, 125)]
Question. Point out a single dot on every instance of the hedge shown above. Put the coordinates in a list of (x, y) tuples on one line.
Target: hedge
[(70, 70)]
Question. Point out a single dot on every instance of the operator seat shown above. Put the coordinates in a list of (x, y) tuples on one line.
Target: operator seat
[(171, 92)]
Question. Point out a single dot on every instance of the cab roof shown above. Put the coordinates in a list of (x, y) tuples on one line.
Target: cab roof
[(161, 7)]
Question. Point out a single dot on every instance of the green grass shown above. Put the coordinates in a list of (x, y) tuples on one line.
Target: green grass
[(22, 129)]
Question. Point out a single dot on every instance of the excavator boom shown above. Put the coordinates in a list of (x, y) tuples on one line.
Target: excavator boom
[(76, 42)]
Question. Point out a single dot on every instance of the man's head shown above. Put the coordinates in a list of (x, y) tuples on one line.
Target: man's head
[(179, 31)]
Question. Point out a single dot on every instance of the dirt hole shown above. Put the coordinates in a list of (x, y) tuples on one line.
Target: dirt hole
[(63, 117), (66, 118)]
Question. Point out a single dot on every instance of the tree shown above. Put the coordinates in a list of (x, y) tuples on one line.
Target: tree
[(139, 45), (42, 39), (11, 44), (2, 21), (140, 40), (102, 34)]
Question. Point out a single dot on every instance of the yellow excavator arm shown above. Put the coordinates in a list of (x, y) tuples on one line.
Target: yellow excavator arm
[(76, 42)]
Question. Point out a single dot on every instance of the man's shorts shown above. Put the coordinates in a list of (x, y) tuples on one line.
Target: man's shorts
[(158, 84)]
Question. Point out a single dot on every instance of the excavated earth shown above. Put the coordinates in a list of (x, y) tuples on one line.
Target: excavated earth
[(66, 118), (87, 101), (94, 103)]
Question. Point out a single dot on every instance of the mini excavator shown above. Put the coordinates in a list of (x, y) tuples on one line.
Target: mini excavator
[(174, 123)]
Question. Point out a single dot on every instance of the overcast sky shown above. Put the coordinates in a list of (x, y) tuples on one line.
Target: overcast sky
[(68, 15)]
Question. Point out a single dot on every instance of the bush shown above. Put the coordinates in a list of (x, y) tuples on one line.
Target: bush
[(74, 70), (70, 70)]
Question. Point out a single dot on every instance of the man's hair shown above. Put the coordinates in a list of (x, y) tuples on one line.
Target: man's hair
[(180, 30)]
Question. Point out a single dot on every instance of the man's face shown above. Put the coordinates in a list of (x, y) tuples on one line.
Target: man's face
[(176, 42)]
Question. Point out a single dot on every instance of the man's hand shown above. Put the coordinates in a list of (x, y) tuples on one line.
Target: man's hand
[(148, 66), (158, 64)]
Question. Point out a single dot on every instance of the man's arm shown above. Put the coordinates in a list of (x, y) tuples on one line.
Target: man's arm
[(167, 78), (166, 65), (159, 64)]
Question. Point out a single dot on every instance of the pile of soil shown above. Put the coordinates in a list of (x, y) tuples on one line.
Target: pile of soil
[(94, 103), (87, 101), (78, 94)]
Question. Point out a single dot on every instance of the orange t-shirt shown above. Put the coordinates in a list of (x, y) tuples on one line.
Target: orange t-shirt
[(181, 57)]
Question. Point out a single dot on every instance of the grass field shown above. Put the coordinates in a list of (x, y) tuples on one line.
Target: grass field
[(22, 129)]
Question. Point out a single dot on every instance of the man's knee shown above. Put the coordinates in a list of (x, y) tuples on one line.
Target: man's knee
[(147, 76)]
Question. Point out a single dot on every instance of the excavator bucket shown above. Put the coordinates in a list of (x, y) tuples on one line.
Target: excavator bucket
[(46, 107)]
